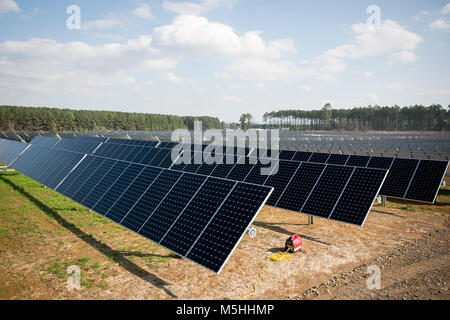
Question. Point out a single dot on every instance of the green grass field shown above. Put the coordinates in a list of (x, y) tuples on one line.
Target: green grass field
[(33, 217)]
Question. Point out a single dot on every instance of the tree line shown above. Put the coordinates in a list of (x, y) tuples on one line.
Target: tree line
[(15, 118), (372, 118)]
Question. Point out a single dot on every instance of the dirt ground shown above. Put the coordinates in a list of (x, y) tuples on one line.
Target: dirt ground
[(42, 233)]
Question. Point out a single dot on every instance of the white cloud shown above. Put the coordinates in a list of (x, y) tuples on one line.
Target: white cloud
[(102, 24), (404, 56), (440, 24), (394, 85), (422, 13), (367, 74), (48, 65), (192, 8), (389, 38), (305, 88), (446, 10), (144, 12), (9, 6), (230, 98), (170, 77), (188, 33)]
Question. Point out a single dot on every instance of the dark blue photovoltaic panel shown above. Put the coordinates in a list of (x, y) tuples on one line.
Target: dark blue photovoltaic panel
[(286, 154), (327, 191), (167, 161), (398, 178), (61, 171), (150, 200), (160, 157), (104, 184), (358, 161), (150, 156), (358, 196), (302, 156), (427, 180), (94, 177), (44, 141), (241, 170), (255, 175), (130, 197), (222, 170), (82, 146), (380, 162), (300, 187), (108, 199), (191, 222), (194, 165), (205, 168), (76, 183), (319, 157), (280, 180), (169, 209), (140, 156), (230, 222), (340, 159), (74, 175), (10, 150)]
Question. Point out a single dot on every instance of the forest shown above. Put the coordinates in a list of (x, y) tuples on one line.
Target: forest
[(372, 118), (14, 118)]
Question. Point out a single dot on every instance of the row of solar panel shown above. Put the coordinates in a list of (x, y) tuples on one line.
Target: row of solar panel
[(316, 189), (10, 150), (200, 218), (412, 179)]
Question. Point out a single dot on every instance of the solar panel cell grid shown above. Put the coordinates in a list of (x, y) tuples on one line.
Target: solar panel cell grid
[(399, 177), (281, 179), (150, 200), (296, 193), (358, 196), (222, 234), (169, 209), (129, 198), (428, 174), (115, 190), (327, 191), (194, 218)]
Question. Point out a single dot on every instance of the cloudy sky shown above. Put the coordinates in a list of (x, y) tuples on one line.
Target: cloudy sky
[(223, 57)]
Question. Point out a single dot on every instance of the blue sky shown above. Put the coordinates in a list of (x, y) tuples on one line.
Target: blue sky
[(223, 57)]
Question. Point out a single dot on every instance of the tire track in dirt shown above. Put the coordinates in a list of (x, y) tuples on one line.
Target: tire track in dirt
[(419, 269)]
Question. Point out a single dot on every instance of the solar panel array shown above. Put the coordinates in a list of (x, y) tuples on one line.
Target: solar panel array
[(200, 218), (10, 150), (400, 179), (329, 189)]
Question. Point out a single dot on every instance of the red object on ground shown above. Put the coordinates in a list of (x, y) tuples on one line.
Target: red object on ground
[(293, 243)]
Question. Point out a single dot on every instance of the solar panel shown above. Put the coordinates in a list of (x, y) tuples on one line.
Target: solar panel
[(319, 157), (358, 161), (247, 171), (327, 191), (44, 141), (10, 150), (356, 200), (400, 174), (279, 181), (426, 181), (171, 208), (304, 180), (380, 162)]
